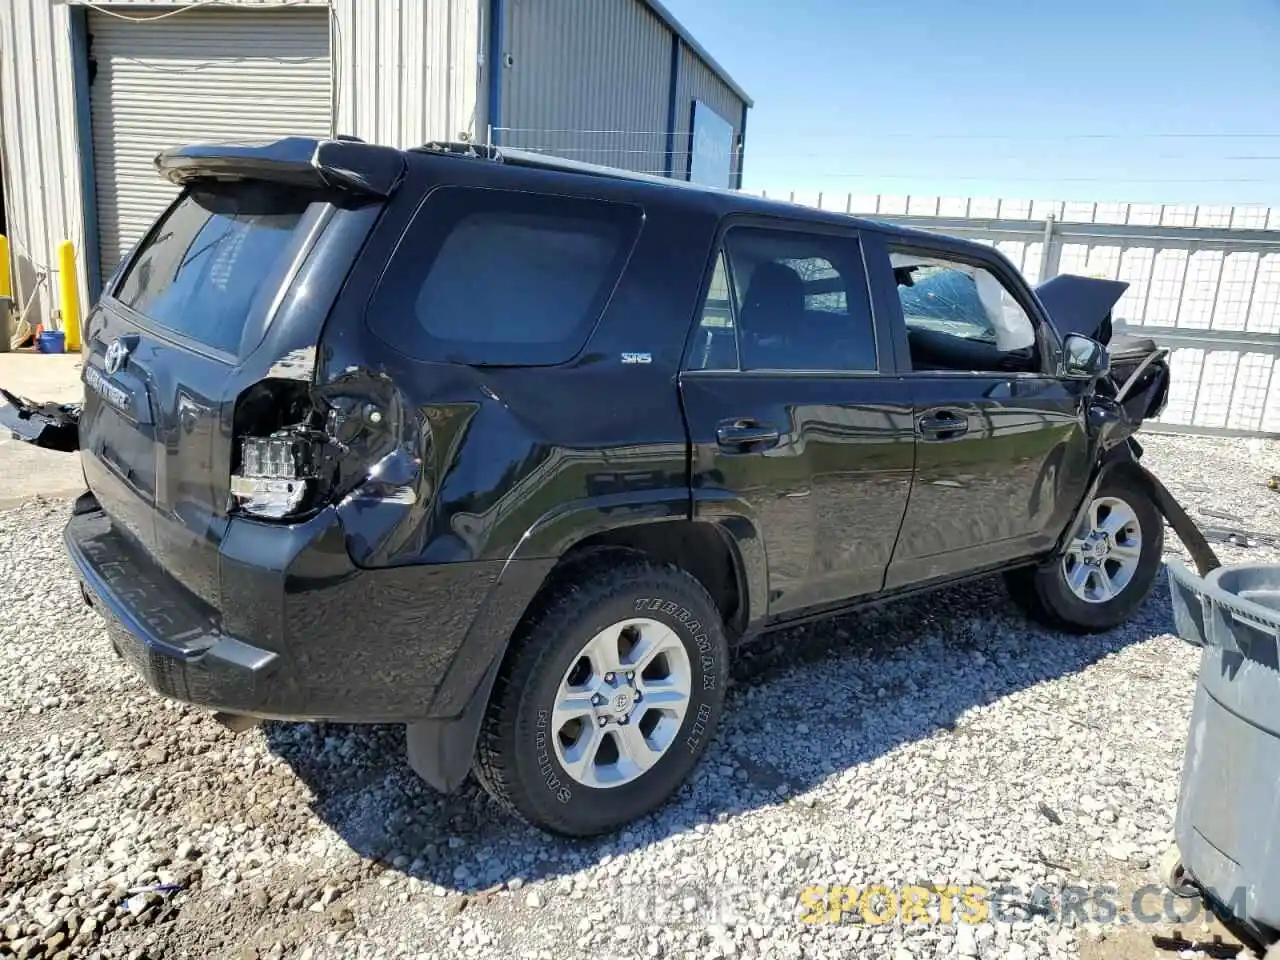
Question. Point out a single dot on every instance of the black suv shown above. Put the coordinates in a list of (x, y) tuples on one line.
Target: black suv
[(513, 450)]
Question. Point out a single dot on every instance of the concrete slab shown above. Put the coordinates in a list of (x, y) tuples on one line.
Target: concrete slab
[(26, 472), (42, 376)]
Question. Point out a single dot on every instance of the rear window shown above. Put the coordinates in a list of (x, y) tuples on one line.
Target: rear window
[(218, 258), (496, 277)]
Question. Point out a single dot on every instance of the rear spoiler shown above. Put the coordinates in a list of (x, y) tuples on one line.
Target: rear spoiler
[(348, 165), (1081, 304)]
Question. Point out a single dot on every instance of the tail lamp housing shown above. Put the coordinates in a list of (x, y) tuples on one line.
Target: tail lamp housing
[(276, 474)]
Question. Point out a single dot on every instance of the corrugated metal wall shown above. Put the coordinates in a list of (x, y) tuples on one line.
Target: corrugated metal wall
[(697, 81), (38, 117), (589, 81), (405, 71), (157, 85)]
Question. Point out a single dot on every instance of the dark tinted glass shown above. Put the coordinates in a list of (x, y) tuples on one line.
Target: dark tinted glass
[(494, 277), (213, 257), (800, 301)]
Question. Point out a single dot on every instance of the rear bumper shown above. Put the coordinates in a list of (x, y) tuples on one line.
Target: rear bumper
[(301, 633), (168, 637)]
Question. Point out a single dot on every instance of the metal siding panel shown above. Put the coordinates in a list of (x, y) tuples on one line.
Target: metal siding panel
[(43, 192), (407, 70), (204, 75), (345, 75), (462, 45), (435, 63), (697, 81), (589, 81), (123, 5), (689, 40)]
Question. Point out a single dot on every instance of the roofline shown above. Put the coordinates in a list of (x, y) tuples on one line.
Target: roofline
[(742, 202), (678, 28), (549, 161)]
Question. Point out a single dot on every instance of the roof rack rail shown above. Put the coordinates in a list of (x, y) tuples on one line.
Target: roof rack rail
[(463, 148)]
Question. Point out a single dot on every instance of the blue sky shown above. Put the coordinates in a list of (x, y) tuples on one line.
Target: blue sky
[(1135, 100)]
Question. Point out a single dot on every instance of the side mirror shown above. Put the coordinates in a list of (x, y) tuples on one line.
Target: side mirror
[(1084, 358)]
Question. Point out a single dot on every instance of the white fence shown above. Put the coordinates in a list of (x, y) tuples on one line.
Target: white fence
[(1204, 281)]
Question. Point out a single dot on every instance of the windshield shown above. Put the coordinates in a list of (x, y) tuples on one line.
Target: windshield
[(946, 300), (217, 257)]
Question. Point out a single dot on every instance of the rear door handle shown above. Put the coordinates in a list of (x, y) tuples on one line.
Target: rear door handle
[(942, 426), (745, 434)]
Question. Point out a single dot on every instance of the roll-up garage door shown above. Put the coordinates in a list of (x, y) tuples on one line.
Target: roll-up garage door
[(225, 74)]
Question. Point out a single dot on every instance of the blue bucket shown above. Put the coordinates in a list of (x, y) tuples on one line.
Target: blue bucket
[(51, 341)]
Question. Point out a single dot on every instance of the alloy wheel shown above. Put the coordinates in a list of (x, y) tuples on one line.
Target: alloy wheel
[(1104, 552), (621, 703)]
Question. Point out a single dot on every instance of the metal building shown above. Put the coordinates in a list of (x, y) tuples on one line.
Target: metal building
[(90, 91)]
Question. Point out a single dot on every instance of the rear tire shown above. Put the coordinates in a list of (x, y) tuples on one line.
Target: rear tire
[(1110, 566), (1174, 875), (575, 742)]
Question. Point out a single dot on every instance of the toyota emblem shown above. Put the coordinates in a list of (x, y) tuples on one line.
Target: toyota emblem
[(117, 354)]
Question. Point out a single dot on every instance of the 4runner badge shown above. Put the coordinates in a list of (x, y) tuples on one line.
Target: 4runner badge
[(117, 354)]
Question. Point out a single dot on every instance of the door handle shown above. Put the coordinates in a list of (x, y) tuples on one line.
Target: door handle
[(744, 434), (942, 426)]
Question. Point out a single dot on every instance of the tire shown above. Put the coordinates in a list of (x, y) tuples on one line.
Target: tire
[(526, 746), (1174, 875), (1046, 593)]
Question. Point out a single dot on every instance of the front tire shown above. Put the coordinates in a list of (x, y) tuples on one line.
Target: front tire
[(607, 698), (1109, 567)]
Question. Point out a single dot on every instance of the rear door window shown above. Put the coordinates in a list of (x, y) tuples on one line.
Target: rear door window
[(495, 277), (217, 258), (783, 300)]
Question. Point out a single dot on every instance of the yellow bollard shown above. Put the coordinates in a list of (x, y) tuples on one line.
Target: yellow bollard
[(6, 281), (6, 295), (69, 295)]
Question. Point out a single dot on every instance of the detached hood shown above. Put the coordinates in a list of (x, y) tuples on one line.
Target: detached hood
[(1081, 304)]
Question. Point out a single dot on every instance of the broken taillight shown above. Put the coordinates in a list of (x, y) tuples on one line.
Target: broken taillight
[(282, 453), (276, 474), (300, 449)]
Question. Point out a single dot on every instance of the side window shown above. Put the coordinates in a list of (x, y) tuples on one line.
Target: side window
[(715, 346), (961, 317), (824, 288), (794, 301), (497, 277)]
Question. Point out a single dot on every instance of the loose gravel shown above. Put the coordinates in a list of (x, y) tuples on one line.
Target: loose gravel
[(942, 741)]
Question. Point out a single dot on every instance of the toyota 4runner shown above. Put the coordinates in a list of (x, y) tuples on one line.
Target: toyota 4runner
[(514, 450)]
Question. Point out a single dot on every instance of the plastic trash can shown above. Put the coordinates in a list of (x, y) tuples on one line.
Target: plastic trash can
[(1228, 820)]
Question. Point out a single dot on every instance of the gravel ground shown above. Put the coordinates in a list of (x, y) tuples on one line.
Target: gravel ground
[(942, 741)]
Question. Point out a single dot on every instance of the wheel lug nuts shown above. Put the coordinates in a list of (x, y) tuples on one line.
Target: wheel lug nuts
[(609, 678), (639, 696), (596, 700), (604, 721), (630, 676), (622, 721)]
